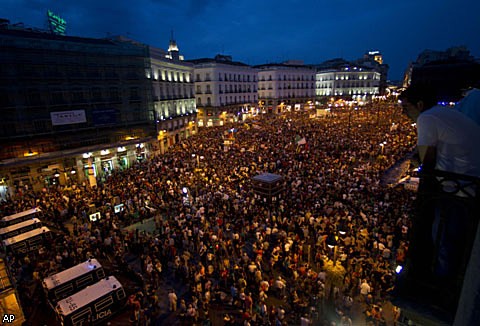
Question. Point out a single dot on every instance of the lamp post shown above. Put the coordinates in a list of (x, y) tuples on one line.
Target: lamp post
[(332, 244), (382, 145), (198, 159)]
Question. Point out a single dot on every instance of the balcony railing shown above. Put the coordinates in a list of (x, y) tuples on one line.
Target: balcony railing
[(442, 236)]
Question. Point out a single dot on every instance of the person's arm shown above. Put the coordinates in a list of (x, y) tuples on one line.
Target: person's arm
[(427, 140), (428, 156)]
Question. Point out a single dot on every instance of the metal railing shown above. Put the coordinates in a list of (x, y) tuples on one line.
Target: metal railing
[(441, 240)]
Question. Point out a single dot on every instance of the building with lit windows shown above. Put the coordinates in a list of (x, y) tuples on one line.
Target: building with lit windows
[(447, 71), (340, 79), (173, 95), (225, 90), (374, 60), (72, 108), (285, 86)]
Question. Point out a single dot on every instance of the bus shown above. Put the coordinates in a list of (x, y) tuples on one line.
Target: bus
[(28, 241), (20, 217), (92, 305), (61, 285), (19, 228)]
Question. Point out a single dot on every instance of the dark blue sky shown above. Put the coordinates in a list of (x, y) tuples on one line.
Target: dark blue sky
[(261, 31)]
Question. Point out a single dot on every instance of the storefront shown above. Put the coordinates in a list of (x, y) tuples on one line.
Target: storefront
[(10, 307), (106, 162), (122, 158)]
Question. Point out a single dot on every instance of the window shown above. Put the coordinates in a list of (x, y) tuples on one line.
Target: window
[(103, 303), (77, 95), (134, 93), (113, 93), (120, 294), (83, 281), (100, 273), (82, 316), (62, 291), (96, 93), (57, 97)]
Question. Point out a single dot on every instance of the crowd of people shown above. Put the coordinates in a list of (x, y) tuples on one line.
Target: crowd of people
[(330, 242)]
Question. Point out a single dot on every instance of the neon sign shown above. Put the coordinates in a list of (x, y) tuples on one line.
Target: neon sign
[(57, 24)]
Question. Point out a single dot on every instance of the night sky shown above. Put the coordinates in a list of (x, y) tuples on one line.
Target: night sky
[(265, 31)]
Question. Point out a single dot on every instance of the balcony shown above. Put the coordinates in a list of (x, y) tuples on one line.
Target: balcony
[(429, 287)]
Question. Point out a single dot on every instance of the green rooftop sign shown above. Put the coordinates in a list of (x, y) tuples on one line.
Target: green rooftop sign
[(56, 24)]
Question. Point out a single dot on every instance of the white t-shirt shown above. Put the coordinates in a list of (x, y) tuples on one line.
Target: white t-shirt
[(455, 137), (364, 289), (470, 105)]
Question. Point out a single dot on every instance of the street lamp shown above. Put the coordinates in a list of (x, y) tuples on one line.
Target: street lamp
[(342, 227), (382, 145), (198, 159), (332, 244)]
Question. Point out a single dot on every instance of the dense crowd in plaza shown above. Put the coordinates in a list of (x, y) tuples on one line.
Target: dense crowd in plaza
[(276, 263)]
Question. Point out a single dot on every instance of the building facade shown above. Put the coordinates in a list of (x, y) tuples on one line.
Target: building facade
[(373, 60), (348, 82), (73, 109), (224, 90), (361, 79), (449, 72), (173, 96), (285, 86)]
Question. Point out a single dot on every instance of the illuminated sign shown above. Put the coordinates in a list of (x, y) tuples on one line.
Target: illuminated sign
[(68, 117), (57, 24)]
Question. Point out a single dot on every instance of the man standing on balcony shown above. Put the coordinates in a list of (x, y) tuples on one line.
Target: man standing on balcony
[(447, 141)]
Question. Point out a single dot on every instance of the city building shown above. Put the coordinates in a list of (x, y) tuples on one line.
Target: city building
[(173, 95), (285, 86), (374, 60), (449, 72), (73, 109), (341, 79), (225, 90)]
